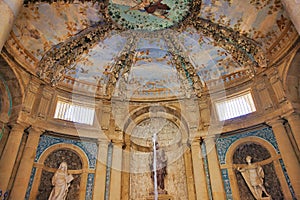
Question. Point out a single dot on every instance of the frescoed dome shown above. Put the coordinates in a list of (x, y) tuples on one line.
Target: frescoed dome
[(147, 49)]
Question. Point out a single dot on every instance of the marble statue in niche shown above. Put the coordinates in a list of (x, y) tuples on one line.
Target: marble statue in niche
[(253, 175), (161, 169), (61, 182)]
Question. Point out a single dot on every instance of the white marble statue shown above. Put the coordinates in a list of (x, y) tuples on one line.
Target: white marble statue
[(253, 174), (61, 182)]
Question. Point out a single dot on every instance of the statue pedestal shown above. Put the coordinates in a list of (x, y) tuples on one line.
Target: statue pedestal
[(160, 197)]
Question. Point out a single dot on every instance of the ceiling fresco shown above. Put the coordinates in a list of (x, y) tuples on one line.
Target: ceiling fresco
[(146, 16), (261, 20), (148, 48), (40, 26)]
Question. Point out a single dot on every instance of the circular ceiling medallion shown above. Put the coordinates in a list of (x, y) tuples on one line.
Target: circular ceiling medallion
[(148, 14)]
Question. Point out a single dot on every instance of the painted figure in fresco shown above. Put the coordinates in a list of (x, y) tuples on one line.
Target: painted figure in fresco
[(61, 182), (253, 174), (161, 169), (155, 7)]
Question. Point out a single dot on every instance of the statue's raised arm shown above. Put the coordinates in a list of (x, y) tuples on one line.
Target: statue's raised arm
[(253, 175)]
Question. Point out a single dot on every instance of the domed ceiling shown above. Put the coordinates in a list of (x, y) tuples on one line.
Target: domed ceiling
[(146, 49)]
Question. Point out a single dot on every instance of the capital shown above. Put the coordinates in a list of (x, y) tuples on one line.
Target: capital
[(276, 122), (18, 126), (292, 116), (35, 130)]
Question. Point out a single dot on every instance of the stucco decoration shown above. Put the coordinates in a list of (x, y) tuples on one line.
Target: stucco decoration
[(67, 49)]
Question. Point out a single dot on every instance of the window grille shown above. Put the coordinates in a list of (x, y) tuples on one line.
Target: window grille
[(74, 113), (235, 106)]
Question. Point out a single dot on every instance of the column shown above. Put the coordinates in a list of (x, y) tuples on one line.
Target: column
[(9, 10), (199, 172), (116, 172), (126, 171), (10, 154), (294, 122), (187, 155), (100, 174), (216, 180), (287, 153), (24, 171), (293, 9)]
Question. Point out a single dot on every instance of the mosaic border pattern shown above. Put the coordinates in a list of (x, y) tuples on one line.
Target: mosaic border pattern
[(287, 178), (89, 148), (89, 187), (226, 182), (223, 143), (33, 171)]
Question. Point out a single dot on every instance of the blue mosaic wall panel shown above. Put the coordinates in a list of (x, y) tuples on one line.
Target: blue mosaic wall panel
[(226, 184), (223, 143), (287, 179), (89, 187), (30, 183), (89, 148)]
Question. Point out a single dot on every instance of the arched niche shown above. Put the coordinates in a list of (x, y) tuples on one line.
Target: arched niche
[(172, 137), (263, 154), (48, 163), (137, 116)]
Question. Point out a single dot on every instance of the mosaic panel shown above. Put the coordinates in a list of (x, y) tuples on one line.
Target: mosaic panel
[(89, 148), (89, 187), (30, 183), (287, 179), (223, 143), (226, 184)]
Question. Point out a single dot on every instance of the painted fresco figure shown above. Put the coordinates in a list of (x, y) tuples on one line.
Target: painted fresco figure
[(253, 175), (155, 7), (161, 169), (61, 182)]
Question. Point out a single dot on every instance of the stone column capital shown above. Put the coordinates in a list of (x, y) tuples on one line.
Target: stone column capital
[(292, 116), (209, 138), (19, 126), (118, 143), (102, 141), (36, 130), (195, 141), (275, 122)]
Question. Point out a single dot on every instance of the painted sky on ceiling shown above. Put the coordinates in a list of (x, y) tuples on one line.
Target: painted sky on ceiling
[(42, 25)]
